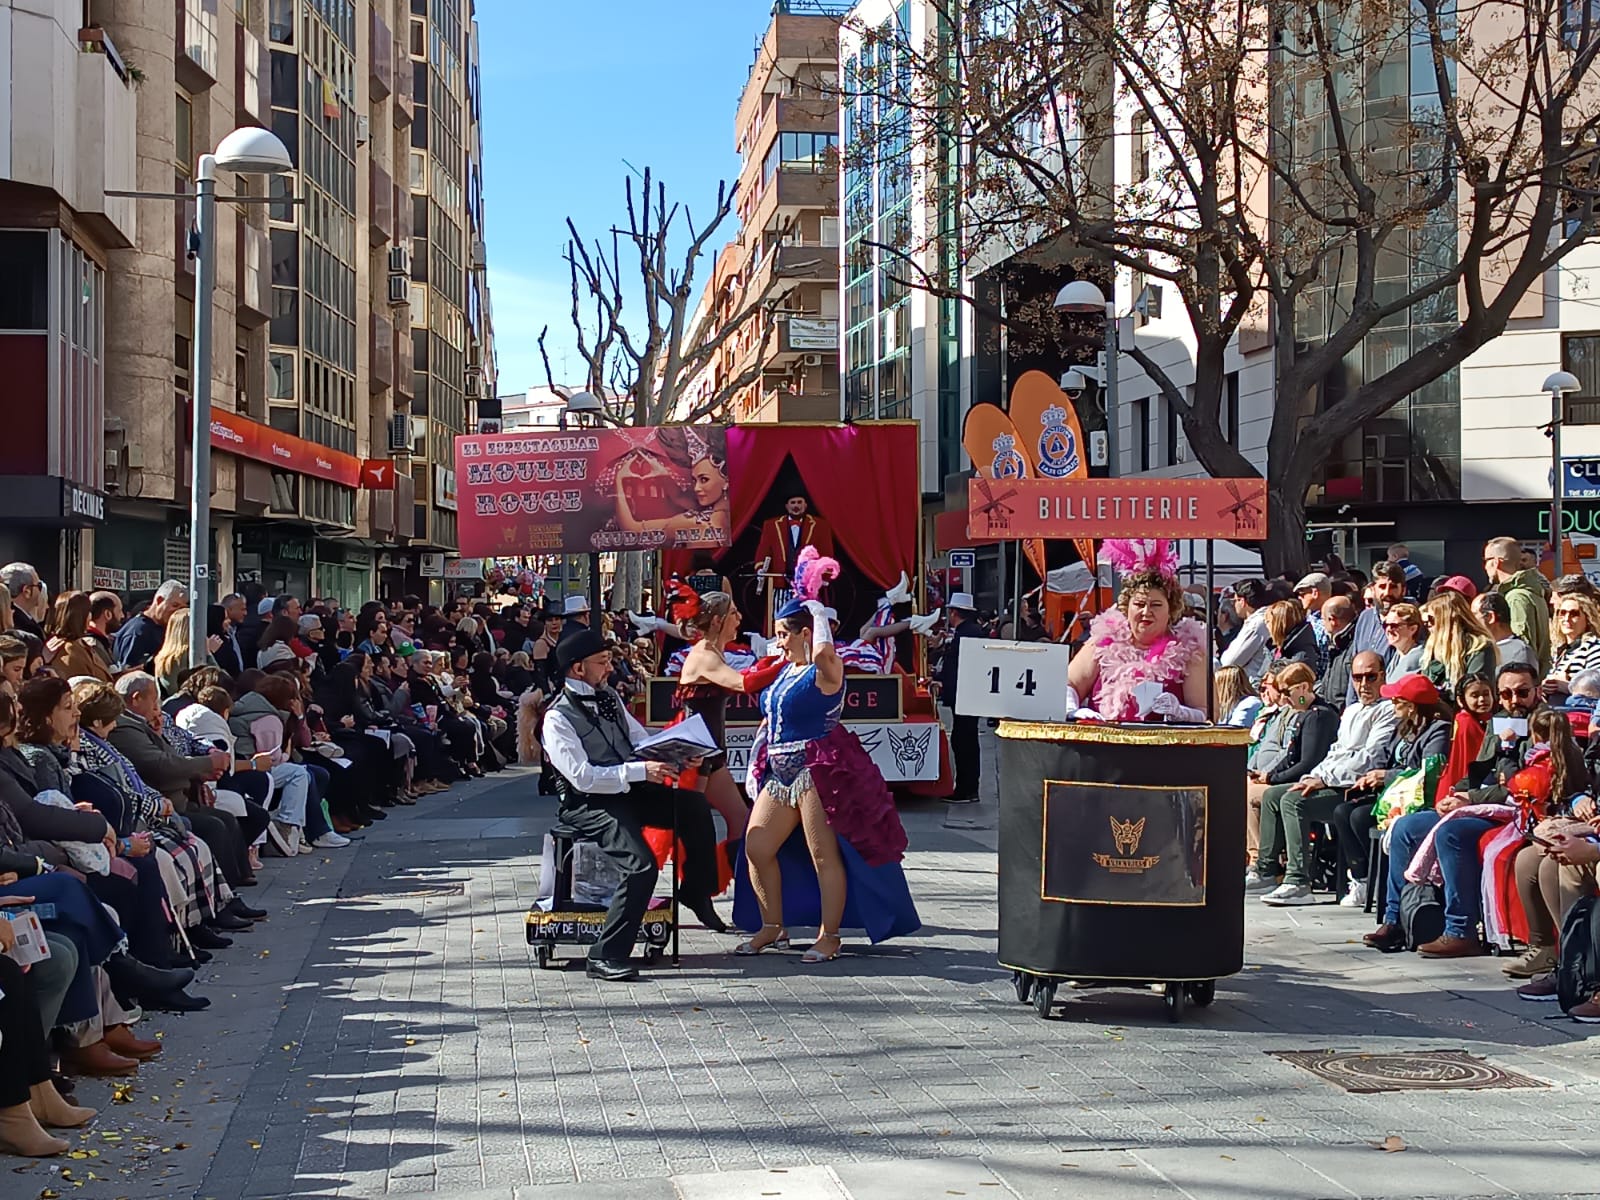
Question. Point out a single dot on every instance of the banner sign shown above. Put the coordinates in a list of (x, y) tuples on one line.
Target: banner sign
[(990, 440), (1108, 843), (907, 753), (1025, 681), (585, 490), (1580, 478), (285, 452), (867, 698), (1235, 509)]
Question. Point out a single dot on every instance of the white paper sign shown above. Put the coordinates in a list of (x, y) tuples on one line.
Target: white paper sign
[(1026, 681), (905, 753)]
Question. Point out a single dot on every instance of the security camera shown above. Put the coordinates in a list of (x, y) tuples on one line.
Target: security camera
[(1073, 381)]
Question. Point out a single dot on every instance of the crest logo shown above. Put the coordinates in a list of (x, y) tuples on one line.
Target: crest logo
[(1058, 445), (1008, 464), (909, 749), (1127, 835)]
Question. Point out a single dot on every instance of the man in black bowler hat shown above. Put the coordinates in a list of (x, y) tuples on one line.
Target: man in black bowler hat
[(609, 798)]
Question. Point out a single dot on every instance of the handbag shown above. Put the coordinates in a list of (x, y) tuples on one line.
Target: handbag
[(1409, 791), (90, 858)]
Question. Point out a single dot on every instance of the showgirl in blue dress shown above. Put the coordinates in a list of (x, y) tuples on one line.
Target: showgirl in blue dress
[(824, 842)]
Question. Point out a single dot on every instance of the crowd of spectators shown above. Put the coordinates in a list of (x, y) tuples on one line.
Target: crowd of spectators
[(140, 795), (1444, 725)]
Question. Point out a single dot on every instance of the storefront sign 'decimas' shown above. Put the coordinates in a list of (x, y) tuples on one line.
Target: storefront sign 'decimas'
[(286, 452)]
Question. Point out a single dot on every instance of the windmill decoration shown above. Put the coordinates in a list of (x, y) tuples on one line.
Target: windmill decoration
[(994, 510), (1247, 511)]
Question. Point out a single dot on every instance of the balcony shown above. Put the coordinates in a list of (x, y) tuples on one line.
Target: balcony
[(252, 78), (788, 266), (195, 56), (382, 58), (380, 357), (92, 138), (381, 199), (404, 105), (255, 290), (789, 192)]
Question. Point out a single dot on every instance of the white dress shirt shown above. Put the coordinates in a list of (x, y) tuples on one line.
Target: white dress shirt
[(565, 750)]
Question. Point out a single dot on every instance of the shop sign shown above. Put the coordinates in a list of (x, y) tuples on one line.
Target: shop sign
[(283, 451), (144, 581), (812, 334), (444, 488), (463, 568), (1022, 507), (432, 564), (1580, 478), (1576, 518), (81, 502), (109, 579)]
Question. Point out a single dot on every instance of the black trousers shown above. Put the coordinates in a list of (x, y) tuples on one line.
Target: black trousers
[(617, 824), (964, 749), (24, 1058), (222, 833), (1352, 827), (145, 923)]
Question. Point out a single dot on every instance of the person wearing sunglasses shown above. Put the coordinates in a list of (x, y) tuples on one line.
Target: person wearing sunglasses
[(1574, 643), (1366, 735), (1402, 631), (1456, 842)]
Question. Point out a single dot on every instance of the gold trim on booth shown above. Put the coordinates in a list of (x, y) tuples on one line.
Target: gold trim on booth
[(1125, 735)]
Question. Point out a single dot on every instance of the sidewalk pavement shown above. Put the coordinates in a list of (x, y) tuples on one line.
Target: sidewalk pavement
[(387, 1032)]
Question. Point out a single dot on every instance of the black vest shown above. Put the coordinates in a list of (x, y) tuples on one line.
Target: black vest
[(605, 743)]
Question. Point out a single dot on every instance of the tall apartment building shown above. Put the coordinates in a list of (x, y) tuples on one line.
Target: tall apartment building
[(902, 346), (68, 105), (787, 249), (313, 336), (451, 329)]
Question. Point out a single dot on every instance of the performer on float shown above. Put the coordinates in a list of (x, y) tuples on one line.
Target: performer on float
[(822, 808), (1144, 639), (783, 538), (873, 653), (706, 680)]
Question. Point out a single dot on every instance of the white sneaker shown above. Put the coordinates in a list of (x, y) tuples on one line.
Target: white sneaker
[(1255, 881), (1356, 897), (900, 593), (1289, 895), (331, 841)]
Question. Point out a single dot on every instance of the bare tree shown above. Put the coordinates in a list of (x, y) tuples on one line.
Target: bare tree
[(1304, 176), (642, 366)]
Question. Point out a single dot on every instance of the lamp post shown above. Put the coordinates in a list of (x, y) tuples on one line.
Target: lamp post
[(1558, 385), (578, 405)]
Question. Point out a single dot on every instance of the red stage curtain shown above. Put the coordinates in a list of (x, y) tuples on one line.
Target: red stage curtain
[(851, 473)]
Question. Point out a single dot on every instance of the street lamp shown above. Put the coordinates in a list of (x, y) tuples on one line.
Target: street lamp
[(1558, 385), (577, 406), (1082, 296)]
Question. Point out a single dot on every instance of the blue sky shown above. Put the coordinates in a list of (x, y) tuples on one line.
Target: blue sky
[(569, 91)]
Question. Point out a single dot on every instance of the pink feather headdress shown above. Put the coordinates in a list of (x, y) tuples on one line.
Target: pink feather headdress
[(1132, 556), (811, 571)]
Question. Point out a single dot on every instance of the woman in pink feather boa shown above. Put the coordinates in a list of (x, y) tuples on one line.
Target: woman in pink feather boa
[(1144, 639)]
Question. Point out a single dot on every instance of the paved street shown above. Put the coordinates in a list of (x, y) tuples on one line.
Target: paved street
[(387, 1032)]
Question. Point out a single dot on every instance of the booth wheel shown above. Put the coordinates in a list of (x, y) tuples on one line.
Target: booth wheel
[(652, 954), (1023, 982), (1044, 995), (1176, 995), (544, 954), (1202, 992)]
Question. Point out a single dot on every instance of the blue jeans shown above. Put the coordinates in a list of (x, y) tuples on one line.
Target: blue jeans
[(1457, 846)]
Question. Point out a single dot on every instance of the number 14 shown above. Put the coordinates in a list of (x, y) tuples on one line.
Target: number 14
[(1025, 682)]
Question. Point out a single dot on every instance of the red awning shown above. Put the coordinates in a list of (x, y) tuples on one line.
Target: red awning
[(950, 532)]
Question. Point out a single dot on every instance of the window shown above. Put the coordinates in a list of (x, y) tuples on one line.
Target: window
[(280, 22), (1228, 409), (1141, 434), (1141, 147), (183, 135), (25, 266), (1174, 446)]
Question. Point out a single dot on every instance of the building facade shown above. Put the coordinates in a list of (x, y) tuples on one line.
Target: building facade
[(312, 365)]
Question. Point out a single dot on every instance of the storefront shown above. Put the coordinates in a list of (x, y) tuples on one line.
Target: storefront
[(1445, 538), (344, 573), (138, 548), (47, 519), (278, 556)]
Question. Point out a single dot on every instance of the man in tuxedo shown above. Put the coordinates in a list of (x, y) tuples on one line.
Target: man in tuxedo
[(782, 538)]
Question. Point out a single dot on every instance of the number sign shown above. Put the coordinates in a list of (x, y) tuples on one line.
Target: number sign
[(1026, 681)]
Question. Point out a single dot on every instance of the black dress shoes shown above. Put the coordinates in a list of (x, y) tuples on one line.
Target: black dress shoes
[(706, 912), (131, 978), (178, 1001), (611, 972), (229, 923), (240, 909), (206, 938)]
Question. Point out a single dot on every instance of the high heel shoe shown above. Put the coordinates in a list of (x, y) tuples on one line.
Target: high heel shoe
[(747, 949), (814, 956)]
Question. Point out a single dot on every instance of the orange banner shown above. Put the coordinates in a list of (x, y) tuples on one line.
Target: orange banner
[(990, 440), (1235, 509), (1047, 424)]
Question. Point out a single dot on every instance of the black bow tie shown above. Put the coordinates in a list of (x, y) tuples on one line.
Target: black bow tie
[(604, 703)]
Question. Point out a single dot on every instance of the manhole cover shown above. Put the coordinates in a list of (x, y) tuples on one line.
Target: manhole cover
[(1414, 1071), (418, 893)]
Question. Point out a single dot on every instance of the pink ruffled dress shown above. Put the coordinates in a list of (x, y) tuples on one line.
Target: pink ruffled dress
[(1124, 665)]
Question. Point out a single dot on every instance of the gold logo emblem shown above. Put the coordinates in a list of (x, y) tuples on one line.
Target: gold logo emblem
[(1125, 838)]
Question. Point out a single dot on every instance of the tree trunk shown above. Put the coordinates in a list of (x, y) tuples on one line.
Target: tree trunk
[(627, 590), (1284, 551)]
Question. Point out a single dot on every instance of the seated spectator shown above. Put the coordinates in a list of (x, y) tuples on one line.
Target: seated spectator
[(1293, 640), (1233, 701), (1402, 627), (1458, 645), (71, 650), (280, 642), (171, 662), (1494, 613), (1422, 732), (1456, 842), (1574, 643), (28, 1100), (1338, 650), (13, 663), (1306, 732), (1366, 733), (1574, 854), (1475, 704)]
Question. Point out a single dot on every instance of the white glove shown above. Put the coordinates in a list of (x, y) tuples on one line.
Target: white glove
[(758, 645), (1073, 702), (821, 632), (1168, 705)]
